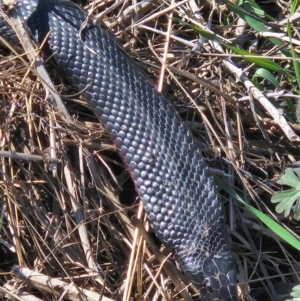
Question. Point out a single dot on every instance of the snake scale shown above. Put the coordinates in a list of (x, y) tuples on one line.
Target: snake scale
[(168, 170)]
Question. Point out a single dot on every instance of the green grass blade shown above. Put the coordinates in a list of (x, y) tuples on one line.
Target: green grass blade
[(250, 57), (256, 23), (294, 6), (267, 75), (259, 60), (271, 224), (294, 55)]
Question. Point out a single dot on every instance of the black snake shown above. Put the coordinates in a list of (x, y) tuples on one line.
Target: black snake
[(169, 173)]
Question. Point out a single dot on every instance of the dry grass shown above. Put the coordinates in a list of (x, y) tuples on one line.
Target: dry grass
[(75, 218)]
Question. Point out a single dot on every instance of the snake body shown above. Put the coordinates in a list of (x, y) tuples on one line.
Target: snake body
[(169, 173)]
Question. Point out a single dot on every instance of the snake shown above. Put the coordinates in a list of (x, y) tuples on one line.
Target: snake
[(162, 157)]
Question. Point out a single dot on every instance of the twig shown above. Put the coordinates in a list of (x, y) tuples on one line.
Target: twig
[(27, 157), (55, 286), (166, 48), (12, 293), (281, 36), (15, 20), (278, 118), (171, 270)]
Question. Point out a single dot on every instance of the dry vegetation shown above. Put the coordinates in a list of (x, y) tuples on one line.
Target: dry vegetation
[(68, 208)]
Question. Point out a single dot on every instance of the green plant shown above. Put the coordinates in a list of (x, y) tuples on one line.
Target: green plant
[(289, 200)]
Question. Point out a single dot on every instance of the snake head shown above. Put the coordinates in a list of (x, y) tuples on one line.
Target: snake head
[(218, 279)]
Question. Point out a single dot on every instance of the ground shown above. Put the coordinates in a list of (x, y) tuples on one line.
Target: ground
[(75, 217)]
